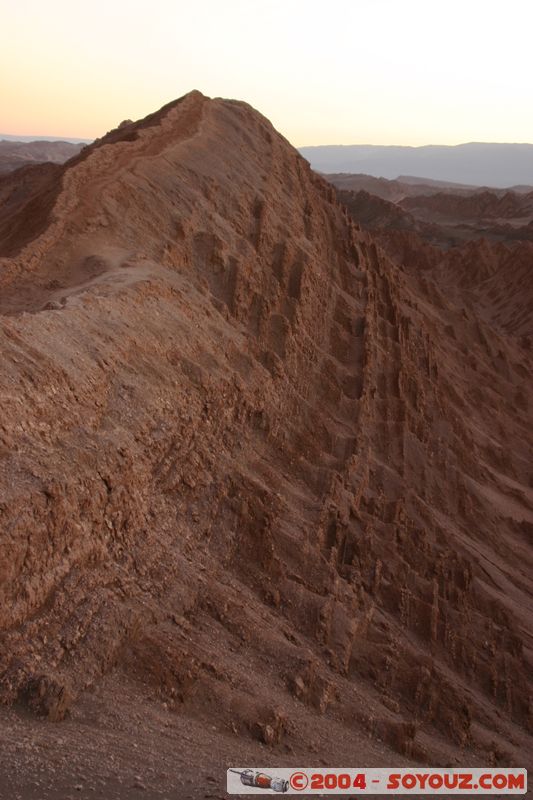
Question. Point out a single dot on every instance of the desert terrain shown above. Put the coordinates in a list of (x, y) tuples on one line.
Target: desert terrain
[(266, 487), (14, 154), (442, 213)]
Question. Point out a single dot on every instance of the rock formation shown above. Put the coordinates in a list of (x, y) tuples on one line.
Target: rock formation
[(253, 463)]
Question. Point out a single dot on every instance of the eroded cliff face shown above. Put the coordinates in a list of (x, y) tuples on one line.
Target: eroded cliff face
[(250, 462)]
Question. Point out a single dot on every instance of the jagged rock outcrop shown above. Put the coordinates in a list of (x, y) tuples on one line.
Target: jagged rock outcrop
[(444, 216), (252, 463)]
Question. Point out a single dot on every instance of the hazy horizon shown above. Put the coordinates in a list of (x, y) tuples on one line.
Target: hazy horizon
[(31, 137), (481, 164), (35, 137)]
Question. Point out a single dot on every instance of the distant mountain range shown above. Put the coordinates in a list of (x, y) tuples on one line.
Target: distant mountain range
[(408, 185), (478, 164), (9, 137), (15, 154)]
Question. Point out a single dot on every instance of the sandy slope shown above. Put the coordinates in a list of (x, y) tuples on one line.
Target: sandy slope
[(265, 492)]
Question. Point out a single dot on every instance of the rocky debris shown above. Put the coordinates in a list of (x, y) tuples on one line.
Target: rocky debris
[(273, 731), (46, 696), (310, 686)]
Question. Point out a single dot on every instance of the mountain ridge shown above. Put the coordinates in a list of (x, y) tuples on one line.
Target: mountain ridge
[(261, 481)]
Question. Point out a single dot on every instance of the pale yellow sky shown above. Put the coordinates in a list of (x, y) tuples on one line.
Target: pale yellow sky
[(366, 71)]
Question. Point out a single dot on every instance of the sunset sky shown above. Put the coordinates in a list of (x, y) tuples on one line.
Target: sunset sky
[(344, 71)]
